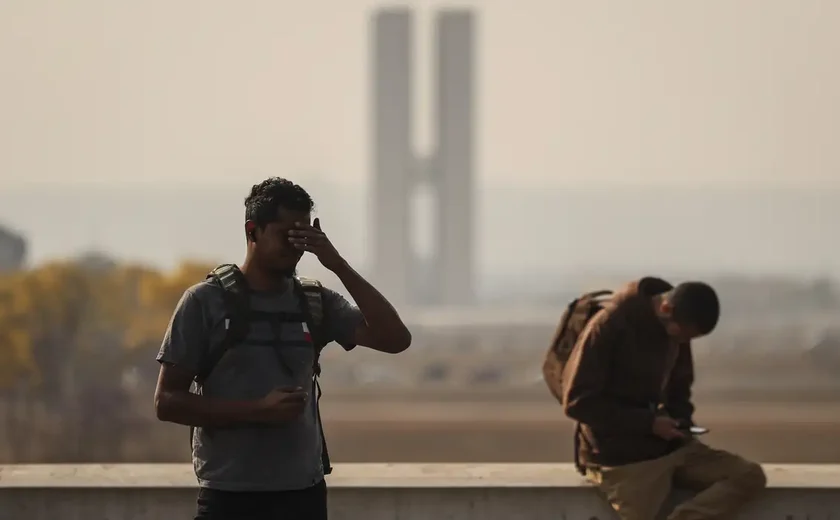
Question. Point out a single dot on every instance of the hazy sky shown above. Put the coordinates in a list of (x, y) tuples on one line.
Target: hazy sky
[(642, 91)]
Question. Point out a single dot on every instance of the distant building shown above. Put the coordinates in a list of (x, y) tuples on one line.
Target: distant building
[(12, 251), (448, 173)]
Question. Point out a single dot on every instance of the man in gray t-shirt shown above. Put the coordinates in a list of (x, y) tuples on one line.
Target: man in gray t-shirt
[(257, 445)]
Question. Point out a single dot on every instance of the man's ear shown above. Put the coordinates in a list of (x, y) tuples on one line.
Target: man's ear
[(251, 230), (665, 308)]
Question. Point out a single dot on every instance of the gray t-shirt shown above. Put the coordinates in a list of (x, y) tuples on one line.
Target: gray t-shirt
[(259, 457)]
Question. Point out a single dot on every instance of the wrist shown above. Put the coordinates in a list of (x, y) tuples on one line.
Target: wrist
[(341, 268), (253, 410)]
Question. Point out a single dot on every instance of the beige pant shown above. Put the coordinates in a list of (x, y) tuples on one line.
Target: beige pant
[(724, 483)]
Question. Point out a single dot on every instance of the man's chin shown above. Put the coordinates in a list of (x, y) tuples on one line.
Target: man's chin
[(286, 272)]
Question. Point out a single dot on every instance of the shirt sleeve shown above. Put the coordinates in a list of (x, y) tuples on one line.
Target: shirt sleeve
[(341, 319), (186, 340)]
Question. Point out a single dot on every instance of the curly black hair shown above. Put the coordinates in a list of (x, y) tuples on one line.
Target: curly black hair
[(267, 197), (695, 303)]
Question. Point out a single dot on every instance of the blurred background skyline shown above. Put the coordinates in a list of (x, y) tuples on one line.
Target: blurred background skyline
[(122, 120)]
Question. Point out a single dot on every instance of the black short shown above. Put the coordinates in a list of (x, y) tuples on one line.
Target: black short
[(303, 504)]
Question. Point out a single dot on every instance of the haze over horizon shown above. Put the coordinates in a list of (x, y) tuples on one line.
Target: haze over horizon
[(137, 128), (720, 91), (522, 232)]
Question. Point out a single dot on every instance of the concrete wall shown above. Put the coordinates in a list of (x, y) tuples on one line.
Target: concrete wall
[(379, 492)]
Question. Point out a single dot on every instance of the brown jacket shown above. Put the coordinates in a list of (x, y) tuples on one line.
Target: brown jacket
[(613, 380)]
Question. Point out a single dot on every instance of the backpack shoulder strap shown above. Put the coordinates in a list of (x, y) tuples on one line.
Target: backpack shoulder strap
[(579, 309), (229, 277), (313, 303), (313, 292), (236, 299), (598, 294)]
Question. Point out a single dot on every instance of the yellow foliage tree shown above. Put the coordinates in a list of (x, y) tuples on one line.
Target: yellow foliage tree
[(156, 297), (62, 314), (69, 334), (15, 342)]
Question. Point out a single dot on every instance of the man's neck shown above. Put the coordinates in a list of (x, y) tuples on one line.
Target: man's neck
[(261, 281), (656, 302)]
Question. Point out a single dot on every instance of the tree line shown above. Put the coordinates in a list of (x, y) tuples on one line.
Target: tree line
[(77, 341)]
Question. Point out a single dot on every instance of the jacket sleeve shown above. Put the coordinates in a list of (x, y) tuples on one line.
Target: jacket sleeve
[(585, 377), (678, 400)]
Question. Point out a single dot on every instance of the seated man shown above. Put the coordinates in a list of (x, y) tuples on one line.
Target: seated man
[(628, 383)]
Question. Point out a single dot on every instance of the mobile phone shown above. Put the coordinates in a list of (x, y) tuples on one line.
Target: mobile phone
[(698, 430)]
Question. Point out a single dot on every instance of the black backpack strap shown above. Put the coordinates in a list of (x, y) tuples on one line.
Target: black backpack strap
[(310, 296), (236, 299), (310, 292), (237, 308), (325, 454), (598, 294)]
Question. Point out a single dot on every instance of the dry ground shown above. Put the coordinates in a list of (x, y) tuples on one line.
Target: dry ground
[(535, 432), (367, 428), (456, 425)]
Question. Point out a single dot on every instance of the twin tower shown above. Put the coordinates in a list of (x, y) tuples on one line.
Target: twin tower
[(446, 277)]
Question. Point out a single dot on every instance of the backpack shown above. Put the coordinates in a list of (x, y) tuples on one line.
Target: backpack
[(238, 316), (572, 323)]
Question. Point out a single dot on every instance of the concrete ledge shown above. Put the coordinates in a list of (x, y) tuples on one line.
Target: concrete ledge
[(380, 491), (377, 475)]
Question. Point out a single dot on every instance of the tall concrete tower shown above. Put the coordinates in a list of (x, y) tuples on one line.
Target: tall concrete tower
[(448, 278), (454, 176), (392, 70)]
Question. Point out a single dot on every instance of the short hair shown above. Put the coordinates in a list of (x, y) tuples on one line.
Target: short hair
[(267, 197), (696, 304)]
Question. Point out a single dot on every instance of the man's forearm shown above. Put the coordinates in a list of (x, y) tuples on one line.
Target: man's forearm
[(197, 410), (381, 317), (678, 403)]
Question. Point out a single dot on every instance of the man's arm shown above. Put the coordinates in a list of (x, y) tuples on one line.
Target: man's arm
[(585, 379), (175, 403), (678, 401), (183, 349), (377, 324)]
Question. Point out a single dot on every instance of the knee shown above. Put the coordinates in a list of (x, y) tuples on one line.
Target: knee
[(752, 479)]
